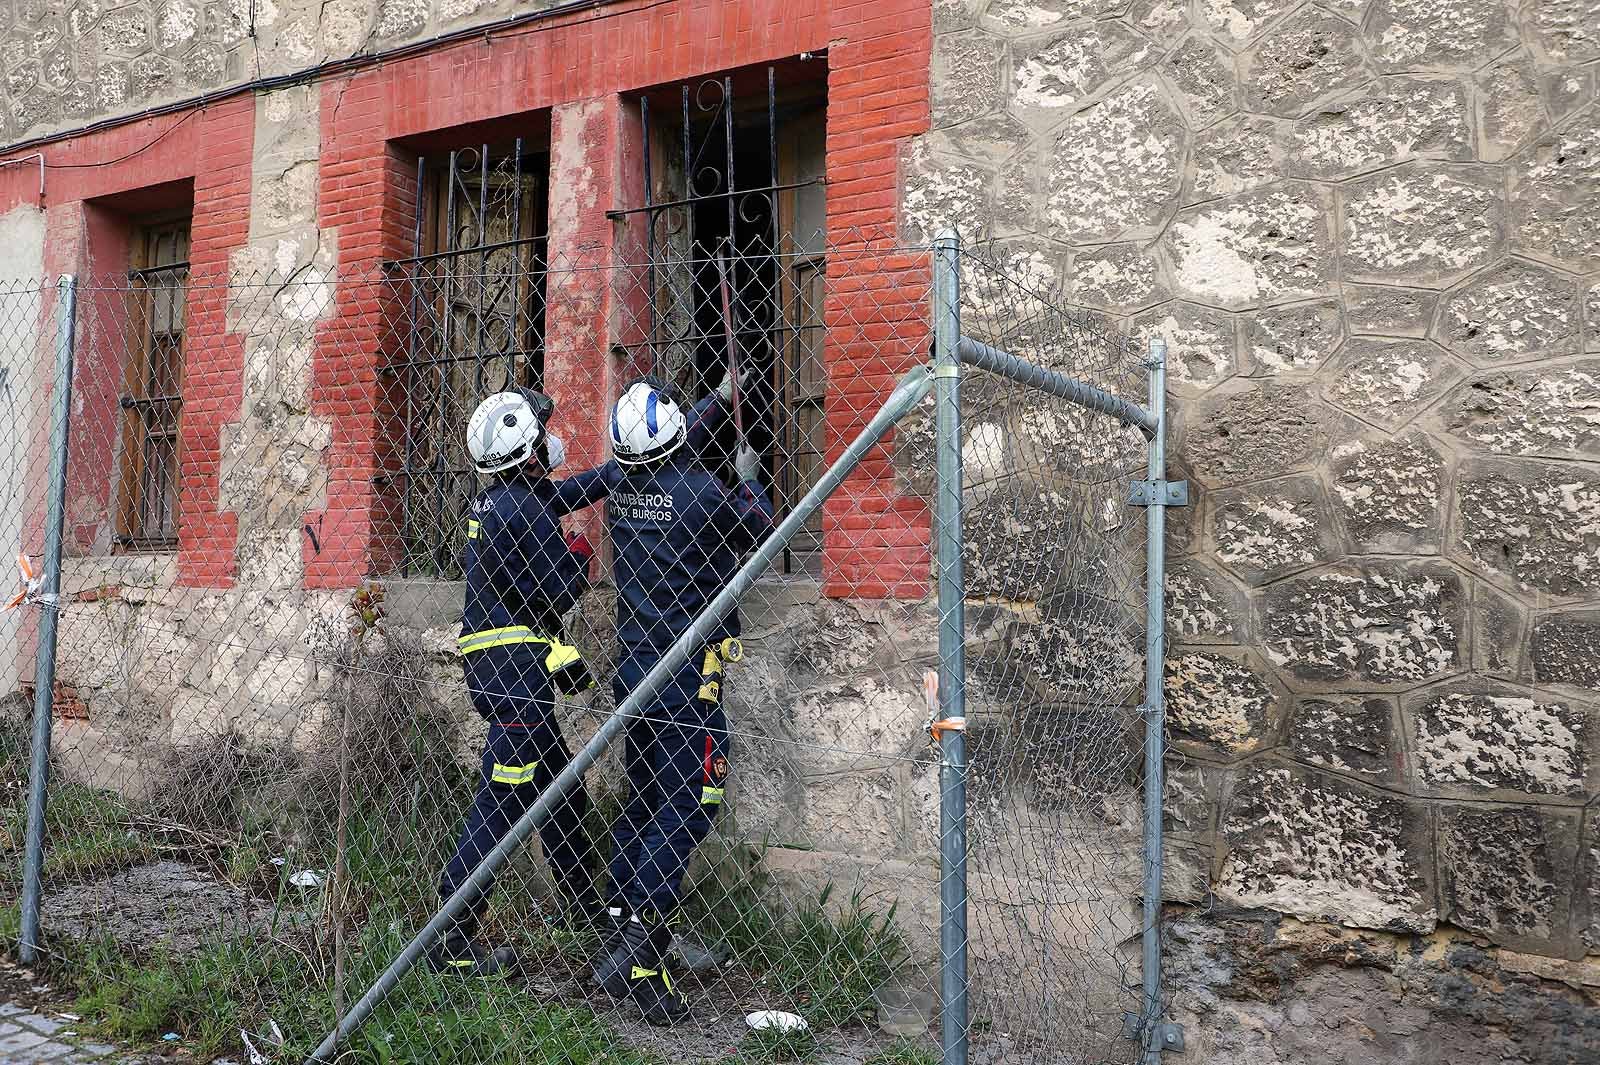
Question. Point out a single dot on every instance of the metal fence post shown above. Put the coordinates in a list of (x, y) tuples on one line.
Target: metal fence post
[(49, 601), (1156, 1035), (952, 660)]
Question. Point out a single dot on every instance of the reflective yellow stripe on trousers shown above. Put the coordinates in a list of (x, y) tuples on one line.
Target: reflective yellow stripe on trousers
[(513, 774)]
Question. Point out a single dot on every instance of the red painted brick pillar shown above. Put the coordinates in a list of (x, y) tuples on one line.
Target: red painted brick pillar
[(875, 539), (366, 204), (213, 370), (595, 146)]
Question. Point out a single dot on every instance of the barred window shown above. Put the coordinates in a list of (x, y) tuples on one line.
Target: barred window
[(152, 396), (734, 227), (473, 305)]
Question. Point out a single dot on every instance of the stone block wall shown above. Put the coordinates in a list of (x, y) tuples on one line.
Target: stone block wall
[(1366, 229), (67, 64)]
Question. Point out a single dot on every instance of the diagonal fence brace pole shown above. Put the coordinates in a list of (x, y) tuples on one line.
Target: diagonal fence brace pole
[(911, 389), (44, 681), (1087, 396)]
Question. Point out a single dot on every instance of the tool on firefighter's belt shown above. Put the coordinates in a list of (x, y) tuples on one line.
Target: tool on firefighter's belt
[(937, 727), (733, 346), (30, 584), (729, 650)]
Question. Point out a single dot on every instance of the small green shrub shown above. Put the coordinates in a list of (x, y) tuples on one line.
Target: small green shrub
[(827, 959)]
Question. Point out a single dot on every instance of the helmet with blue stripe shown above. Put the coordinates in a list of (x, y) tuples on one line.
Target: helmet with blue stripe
[(647, 424)]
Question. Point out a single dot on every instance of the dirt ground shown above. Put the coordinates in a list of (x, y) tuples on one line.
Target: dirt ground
[(163, 903)]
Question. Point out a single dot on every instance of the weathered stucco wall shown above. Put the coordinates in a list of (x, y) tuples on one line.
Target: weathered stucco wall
[(66, 64), (158, 663), (1368, 229), (21, 268)]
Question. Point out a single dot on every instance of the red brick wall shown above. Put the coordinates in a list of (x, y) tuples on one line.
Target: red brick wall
[(213, 369), (875, 541), (100, 362), (589, 177), (366, 202), (878, 62), (212, 147), (878, 96)]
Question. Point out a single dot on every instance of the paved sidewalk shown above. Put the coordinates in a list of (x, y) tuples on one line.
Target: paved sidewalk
[(30, 1037)]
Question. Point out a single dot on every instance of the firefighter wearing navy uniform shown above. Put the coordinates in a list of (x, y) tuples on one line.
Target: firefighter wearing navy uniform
[(522, 575), (675, 531)]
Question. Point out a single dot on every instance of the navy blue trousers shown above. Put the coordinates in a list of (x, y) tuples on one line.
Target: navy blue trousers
[(677, 759), (523, 753)]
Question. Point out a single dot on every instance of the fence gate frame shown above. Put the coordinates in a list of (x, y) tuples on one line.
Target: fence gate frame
[(48, 597), (1155, 494)]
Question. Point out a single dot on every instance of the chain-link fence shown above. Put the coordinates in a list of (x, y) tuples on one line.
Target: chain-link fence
[(294, 667)]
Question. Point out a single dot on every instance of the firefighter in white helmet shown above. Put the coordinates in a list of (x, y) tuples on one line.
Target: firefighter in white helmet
[(674, 528), (522, 575)]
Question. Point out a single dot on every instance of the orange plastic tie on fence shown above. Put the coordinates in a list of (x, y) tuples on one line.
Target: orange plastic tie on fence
[(30, 583), (936, 725)]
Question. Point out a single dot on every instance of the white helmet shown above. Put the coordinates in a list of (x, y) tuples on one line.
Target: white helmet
[(646, 424), (504, 431)]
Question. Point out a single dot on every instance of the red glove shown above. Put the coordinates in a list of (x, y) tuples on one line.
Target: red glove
[(579, 545)]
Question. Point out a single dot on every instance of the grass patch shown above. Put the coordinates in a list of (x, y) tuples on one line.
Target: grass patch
[(206, 997), (456, 1023), (86, 832), (86, 829), (906, 1051), (826, 956)]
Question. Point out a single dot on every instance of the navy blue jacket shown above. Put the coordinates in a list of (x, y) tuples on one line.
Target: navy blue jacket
[(676, 536), (519, 569), (518, 566), (704, 418)]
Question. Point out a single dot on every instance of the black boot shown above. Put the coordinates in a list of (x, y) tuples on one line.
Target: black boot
[(614, 960), (636, 969), (577, 906), (458, 955), (611, 926)]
